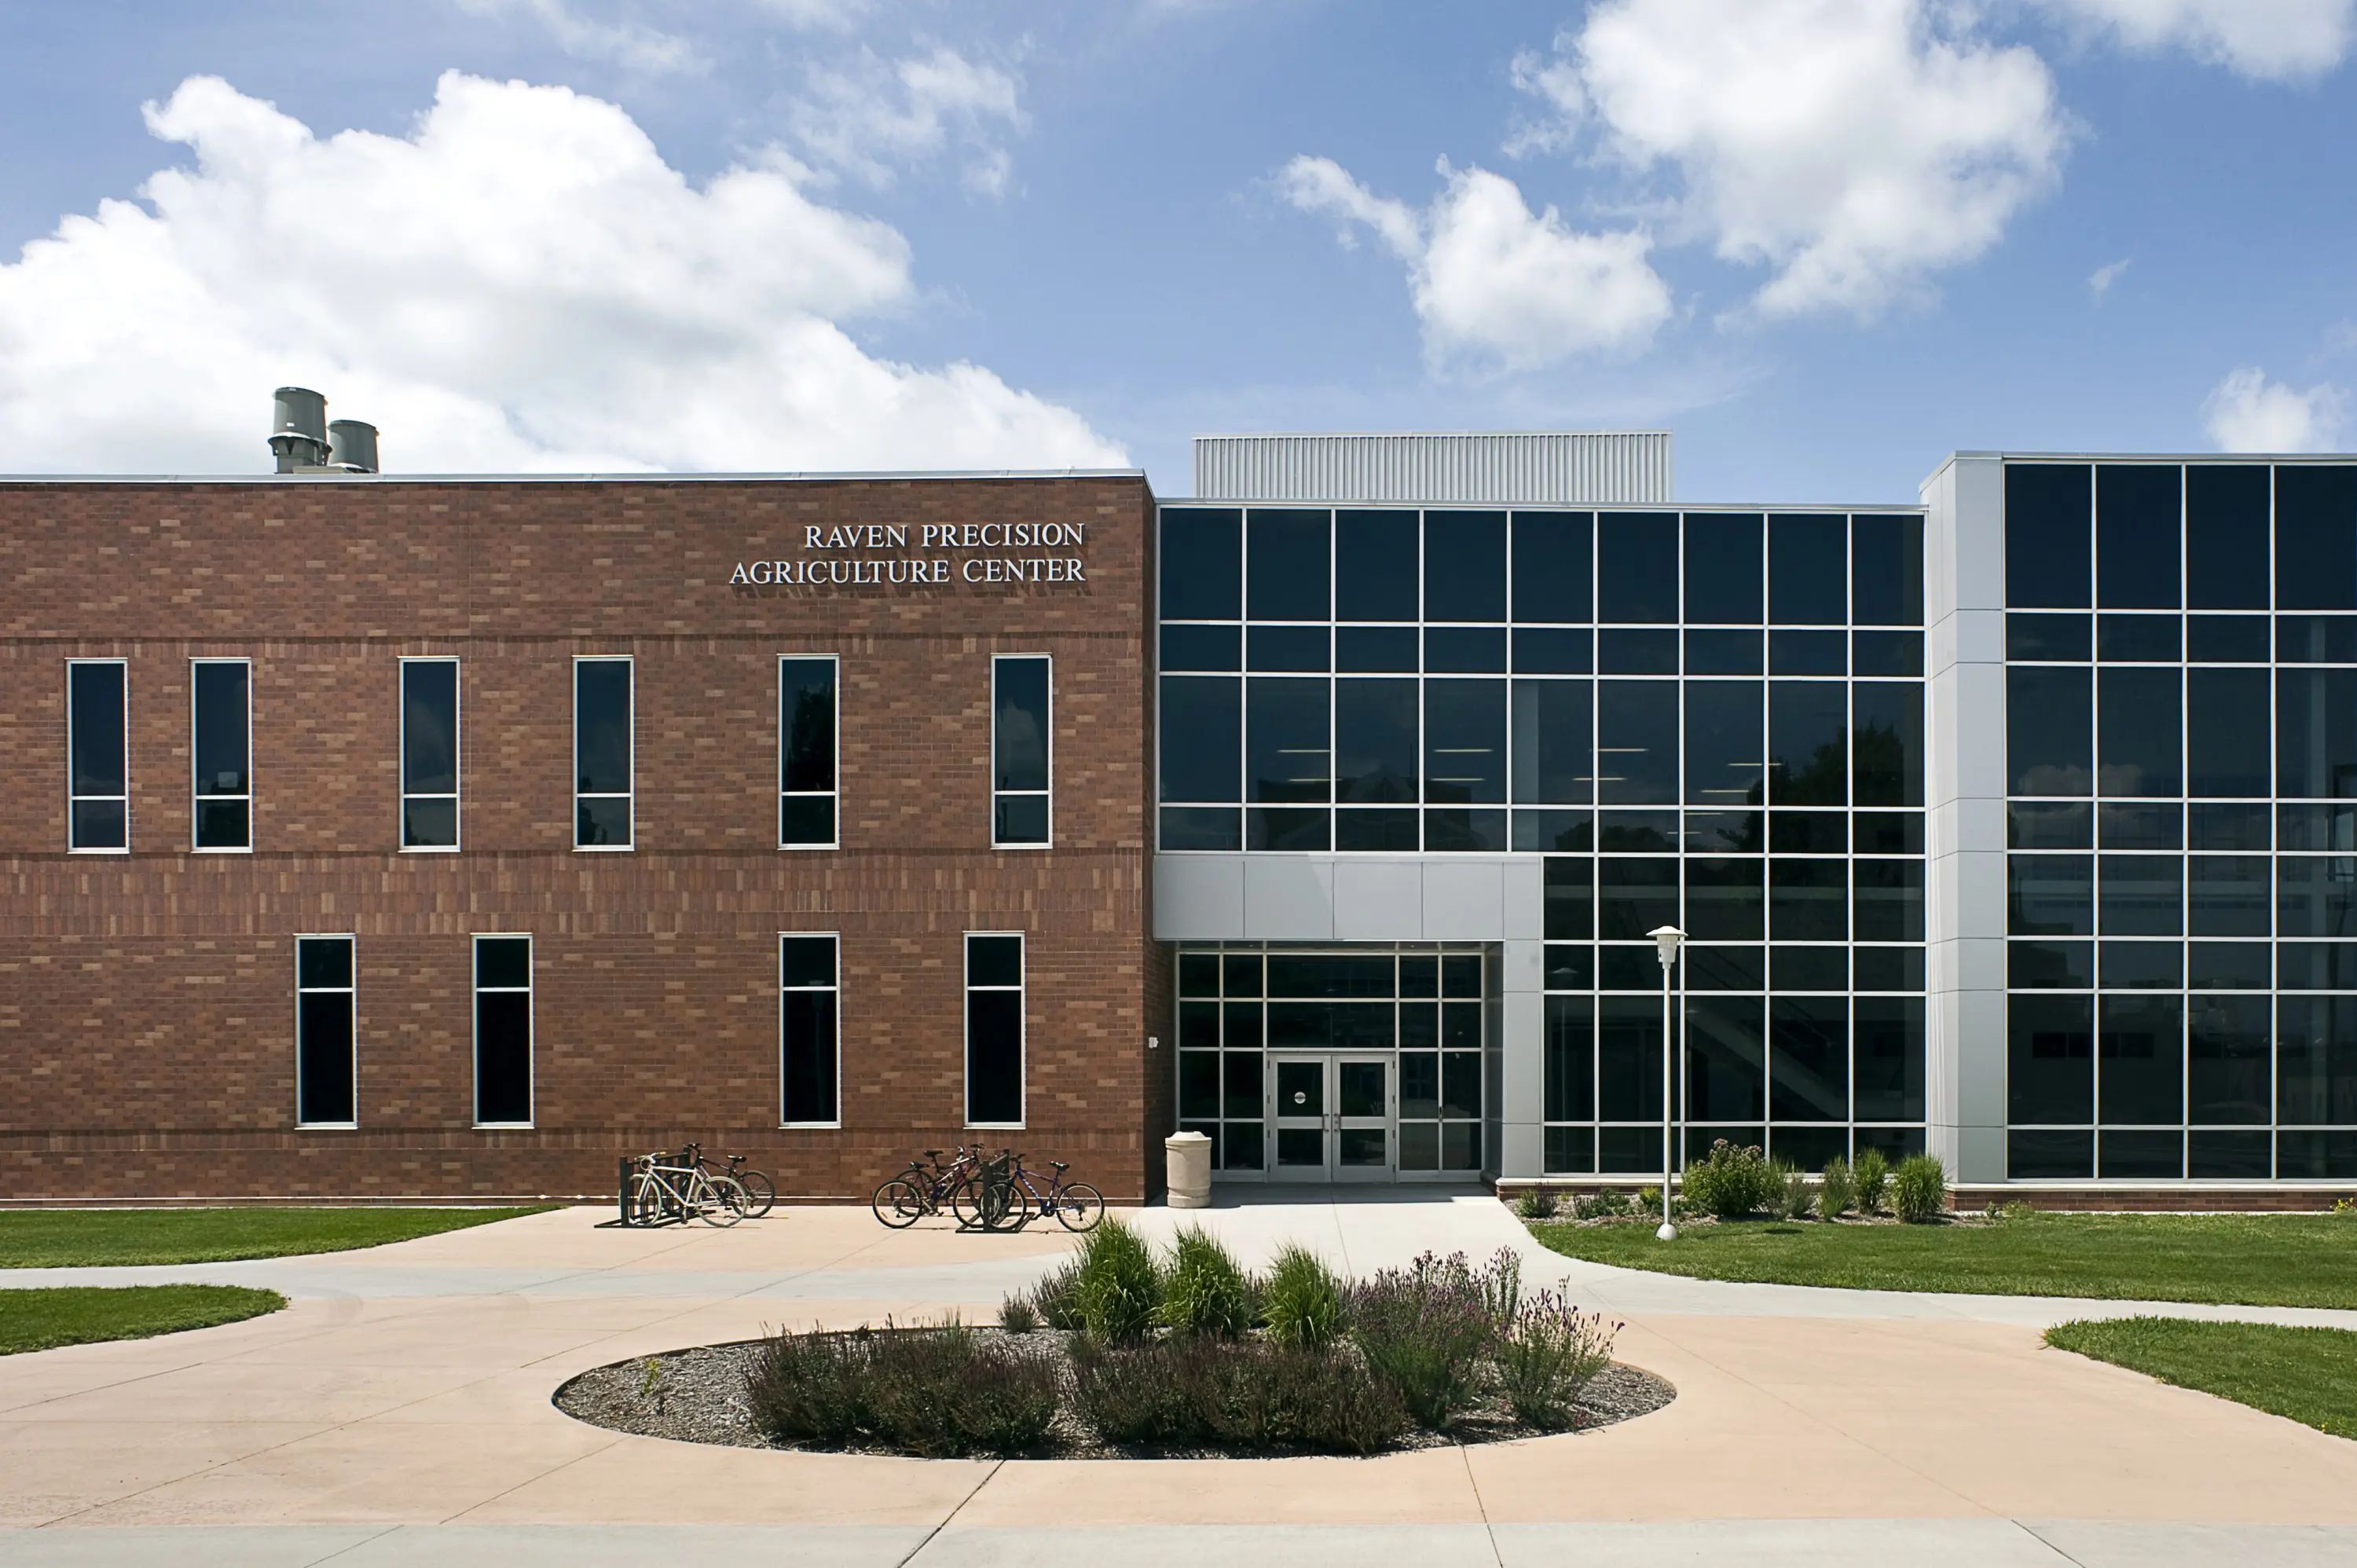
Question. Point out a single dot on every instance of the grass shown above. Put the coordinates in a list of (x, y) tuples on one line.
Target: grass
[(2309, 1375), (2258, 1260), (80, 1315), (88, 1237)]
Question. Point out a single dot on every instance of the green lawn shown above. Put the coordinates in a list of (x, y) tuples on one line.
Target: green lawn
[(2265, 1259), (82, 1237), (2307, 1374), (78, 1314)]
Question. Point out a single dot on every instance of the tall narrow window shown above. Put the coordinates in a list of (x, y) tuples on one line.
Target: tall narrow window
[(429, 754), (808, 1052), (806, 759), (324, 1063), (222, 722), (601, 754), (1021, 746), (503, 1031), (97, 781), (994, 1030)]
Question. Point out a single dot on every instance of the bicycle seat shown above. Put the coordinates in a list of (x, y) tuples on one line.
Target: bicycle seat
[(932, 1153), (1058, 1165)]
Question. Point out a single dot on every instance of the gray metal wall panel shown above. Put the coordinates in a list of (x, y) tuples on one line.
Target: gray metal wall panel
[(1563, 467)]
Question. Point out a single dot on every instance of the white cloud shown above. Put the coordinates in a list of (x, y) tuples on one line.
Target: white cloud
[(2102, 279), (830, 15), (2247, 413), (631, 45), (1852, 146), (523, 283), (871, 117), (2276, 40), (1492, 281)]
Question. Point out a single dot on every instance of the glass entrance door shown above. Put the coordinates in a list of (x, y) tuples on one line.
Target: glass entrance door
[(1333, 1117)]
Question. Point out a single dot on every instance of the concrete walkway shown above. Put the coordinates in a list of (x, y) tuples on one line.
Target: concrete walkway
[(399, 1412)]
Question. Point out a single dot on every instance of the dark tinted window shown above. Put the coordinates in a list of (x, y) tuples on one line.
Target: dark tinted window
[(1202, 738), (2138, 749), (1465, 741), (2048, 507), (1886, 556), (806, 701), (1808, 570), (323, 1029), (1019, 733), (2137, 509), (429, 726), (1374, 565), (1637, 743), (1375, 741), (1886, 744), (806, 1029), (1551, 565), (2050, 731), (2226, 536), (2316, 733), (2316, 538), (1725, 743), (2050, 1073), (2226, 732), (503, 1029), (1285, 740), (993, 1030), (601, 725), (1808, 752), (1724, 580), (1637, 567), (1464, 565), (1202, 563), (1553, 764), (1286, 564)]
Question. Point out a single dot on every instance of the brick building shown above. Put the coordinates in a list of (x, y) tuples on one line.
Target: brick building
[(401, 722)]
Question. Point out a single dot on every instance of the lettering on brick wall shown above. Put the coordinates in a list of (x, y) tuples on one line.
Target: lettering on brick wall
[(854, 556)]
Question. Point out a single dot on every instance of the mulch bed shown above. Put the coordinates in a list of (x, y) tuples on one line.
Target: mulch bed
[(697, 1395)]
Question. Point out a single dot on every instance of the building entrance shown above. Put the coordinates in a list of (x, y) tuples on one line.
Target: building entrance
[(1334, 1117)]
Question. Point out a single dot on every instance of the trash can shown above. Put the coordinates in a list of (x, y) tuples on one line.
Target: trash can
[(1189, 1169)]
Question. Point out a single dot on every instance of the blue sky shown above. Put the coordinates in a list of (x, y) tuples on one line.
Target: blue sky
[(1825, 241)]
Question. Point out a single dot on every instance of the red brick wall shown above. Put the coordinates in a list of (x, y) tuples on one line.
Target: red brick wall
[(145, 1001)]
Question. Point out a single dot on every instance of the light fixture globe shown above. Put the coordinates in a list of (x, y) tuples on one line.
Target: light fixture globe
[(1667, 939)]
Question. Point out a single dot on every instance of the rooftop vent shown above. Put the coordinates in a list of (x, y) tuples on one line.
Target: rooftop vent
[(303, 441)]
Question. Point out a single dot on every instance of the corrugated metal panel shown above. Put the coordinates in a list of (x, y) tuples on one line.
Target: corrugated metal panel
[(1575, 468)]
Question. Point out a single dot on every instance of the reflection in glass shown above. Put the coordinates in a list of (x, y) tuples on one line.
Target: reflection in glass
[(1465, 742), (1807, 743), (2051, 895), (2316, 733), (1808, 570), (2226, 732), (1886, 558), (2136, 509), (2050, 722), (2138, 749), (2142, 1041), (1375, 741), (1552, 760), (1727, 1059), (1202, 738), (1809, 1063), (1637, 742), (2226, 895), (2050, 1052), (1724, 743), (1285, 744), (2047, 510), (2141, 894)]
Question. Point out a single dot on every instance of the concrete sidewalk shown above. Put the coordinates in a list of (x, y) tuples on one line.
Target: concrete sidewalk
[(410, 1387)]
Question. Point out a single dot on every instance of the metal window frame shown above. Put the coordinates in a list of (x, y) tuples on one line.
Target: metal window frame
[(834, 791), (1047, 739), (352, 941), (196, 792), (456, 796), (630, 739), (530, 990), (834, 989), (124, 799), (1022, 1032)]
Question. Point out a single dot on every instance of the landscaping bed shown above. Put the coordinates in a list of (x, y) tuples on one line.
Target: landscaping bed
[(1124, 1355), (46, 1318), (96, 1238)]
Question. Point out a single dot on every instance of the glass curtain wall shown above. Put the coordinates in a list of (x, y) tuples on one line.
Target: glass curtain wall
[(2181, 757)]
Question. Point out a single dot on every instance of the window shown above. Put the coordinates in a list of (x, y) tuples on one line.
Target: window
[(97, 787), (1020, 749), (503, 1031), (994, 1030), (221, 716), (324, 1064), (809, 1052), (601, 754), (429, 754), (806, 759)]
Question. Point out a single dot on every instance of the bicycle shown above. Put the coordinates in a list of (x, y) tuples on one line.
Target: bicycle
[(685, 1191), (760, 1193), (922, 1190), (1076, 1205)]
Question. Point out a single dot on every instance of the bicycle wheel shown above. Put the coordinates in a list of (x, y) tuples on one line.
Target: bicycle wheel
[(725, 1203), (1080, 1207), (757, 1190), (897, 1203), (967, 1201), (647, 1202)]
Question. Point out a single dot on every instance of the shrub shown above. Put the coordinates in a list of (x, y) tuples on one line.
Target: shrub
[(1871, 1172), (1117, 1286), (1601, 1205), (1919, 1189), (1237, 1394), (940, 1392), (1301, 1301), (1205, 1292), (1429, 1330), (1794, 1197), (1536, 1203), (1549, 1354), (1648, 1201), (1017, 1315), (1732, 1181), (1836, 1190), (1052, 1296)]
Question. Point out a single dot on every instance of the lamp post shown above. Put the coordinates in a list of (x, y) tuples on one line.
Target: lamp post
[(1666, 937)]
